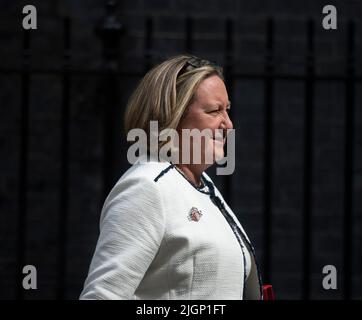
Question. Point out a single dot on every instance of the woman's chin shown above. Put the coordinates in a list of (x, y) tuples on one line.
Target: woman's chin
[(218, 150), (218, 155)]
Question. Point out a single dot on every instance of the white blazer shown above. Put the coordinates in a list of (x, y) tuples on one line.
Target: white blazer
[(162, 238)]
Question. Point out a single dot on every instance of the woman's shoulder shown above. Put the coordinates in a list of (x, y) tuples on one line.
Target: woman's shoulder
[(146, 171), (137, 185), (140, 179)]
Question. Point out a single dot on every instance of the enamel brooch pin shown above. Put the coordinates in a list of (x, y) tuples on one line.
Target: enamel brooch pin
[(194, 214)]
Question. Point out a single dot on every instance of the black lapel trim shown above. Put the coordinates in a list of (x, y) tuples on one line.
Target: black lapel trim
[(237, 231), (163, 172)]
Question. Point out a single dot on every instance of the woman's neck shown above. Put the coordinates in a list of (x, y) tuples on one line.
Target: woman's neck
[(192, 172)]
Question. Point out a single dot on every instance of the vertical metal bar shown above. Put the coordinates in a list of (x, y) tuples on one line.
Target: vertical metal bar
[(109, 32), (64, 170), (148, 43), (308, 161), (348, 158), (229, 81), (23, 166), (268, 150), (189, 29)]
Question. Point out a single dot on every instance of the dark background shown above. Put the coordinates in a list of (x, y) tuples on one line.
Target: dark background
[(296, 95)]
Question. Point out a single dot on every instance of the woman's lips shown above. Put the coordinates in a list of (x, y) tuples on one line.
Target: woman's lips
[(219, 140), (219, 137)]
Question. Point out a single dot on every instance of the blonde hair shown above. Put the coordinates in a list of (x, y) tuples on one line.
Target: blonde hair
[(166, 91)]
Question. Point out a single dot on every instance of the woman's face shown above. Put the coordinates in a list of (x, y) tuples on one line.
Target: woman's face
[(209, 110)]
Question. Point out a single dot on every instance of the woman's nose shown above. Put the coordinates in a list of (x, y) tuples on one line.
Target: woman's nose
[(228, 124)]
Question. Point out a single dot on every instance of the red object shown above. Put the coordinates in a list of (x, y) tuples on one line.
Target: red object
[(268, 292)]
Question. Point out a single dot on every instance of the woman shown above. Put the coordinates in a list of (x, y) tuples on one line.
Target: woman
[(165, 230)]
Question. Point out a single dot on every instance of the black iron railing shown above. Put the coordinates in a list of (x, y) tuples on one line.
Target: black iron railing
[(110, 33)]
